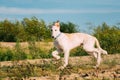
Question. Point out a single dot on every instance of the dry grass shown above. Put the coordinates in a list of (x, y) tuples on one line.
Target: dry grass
[(80, 68), (45, 46)]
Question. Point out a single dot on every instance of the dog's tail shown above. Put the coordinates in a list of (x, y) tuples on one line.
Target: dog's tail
[(100, 49)]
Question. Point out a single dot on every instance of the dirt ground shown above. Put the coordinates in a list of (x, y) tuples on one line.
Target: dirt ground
[(80, 68), (11, 45)]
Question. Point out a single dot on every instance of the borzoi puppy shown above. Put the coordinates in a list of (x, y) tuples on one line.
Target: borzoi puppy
[(64, 42)]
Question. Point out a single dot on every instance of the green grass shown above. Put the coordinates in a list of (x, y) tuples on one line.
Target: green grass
[(19, 53)]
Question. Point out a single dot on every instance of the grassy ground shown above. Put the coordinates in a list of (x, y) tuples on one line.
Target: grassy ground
[(42, 45), (79, 68)]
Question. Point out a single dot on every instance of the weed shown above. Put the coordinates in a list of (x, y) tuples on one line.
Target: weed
[(111, 62), (78, 52)]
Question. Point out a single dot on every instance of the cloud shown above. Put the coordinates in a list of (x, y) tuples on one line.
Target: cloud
[(12, 10), (28, 11)]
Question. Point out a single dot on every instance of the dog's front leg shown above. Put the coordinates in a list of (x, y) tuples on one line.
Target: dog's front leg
[(55, 54), (66, 57)]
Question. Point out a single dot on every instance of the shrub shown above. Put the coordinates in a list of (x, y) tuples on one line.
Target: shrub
[(19, 53), (78, 52), (36, 52), (109, 37), (6, 55), (68, 27)]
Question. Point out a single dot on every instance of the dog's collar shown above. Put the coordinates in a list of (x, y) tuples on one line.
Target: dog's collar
[(57, 36)]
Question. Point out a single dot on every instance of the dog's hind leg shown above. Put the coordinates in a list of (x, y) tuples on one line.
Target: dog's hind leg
[(98, 59), (95, 52), (88, 46), (97, 55)]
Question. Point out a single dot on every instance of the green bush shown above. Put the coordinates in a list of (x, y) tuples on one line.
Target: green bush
[(19, 53), (6, 55), (68, 27), (78, 52), (109, 37), (11, 31)]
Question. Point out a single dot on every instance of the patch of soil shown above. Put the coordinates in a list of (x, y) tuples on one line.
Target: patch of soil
[(79, 68)]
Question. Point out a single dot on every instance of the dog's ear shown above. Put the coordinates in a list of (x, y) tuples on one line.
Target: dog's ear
[(57, 23)]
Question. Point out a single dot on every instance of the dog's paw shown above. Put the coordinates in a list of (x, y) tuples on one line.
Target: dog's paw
[(58, 58), (105, 52), (95, 67), (61, 68)]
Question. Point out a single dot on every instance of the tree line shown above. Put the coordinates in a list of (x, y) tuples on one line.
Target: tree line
[(24, 30), (34, 29), (29, 29)]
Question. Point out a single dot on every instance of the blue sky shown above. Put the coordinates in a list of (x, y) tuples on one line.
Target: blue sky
[(79, 12)]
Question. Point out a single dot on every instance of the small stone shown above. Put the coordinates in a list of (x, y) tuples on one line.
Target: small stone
[(117, 71), (103, 71), (85, 75)]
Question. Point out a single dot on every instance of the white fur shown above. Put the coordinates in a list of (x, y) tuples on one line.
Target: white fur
[(65, 42)]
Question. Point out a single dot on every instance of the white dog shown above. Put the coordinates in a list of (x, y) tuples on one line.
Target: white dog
[(64, 42)]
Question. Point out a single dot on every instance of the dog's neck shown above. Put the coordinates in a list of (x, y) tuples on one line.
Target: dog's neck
[(58, 36)]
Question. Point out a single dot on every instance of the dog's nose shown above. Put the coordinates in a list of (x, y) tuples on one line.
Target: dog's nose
[(52, 36)]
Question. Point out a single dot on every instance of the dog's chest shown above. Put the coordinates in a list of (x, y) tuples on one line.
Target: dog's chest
[(57, 44)]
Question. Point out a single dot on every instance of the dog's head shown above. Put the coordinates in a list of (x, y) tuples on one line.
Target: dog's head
[(55, 29)]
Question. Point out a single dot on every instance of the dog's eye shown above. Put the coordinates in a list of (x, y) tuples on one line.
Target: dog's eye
[(55, 29)]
